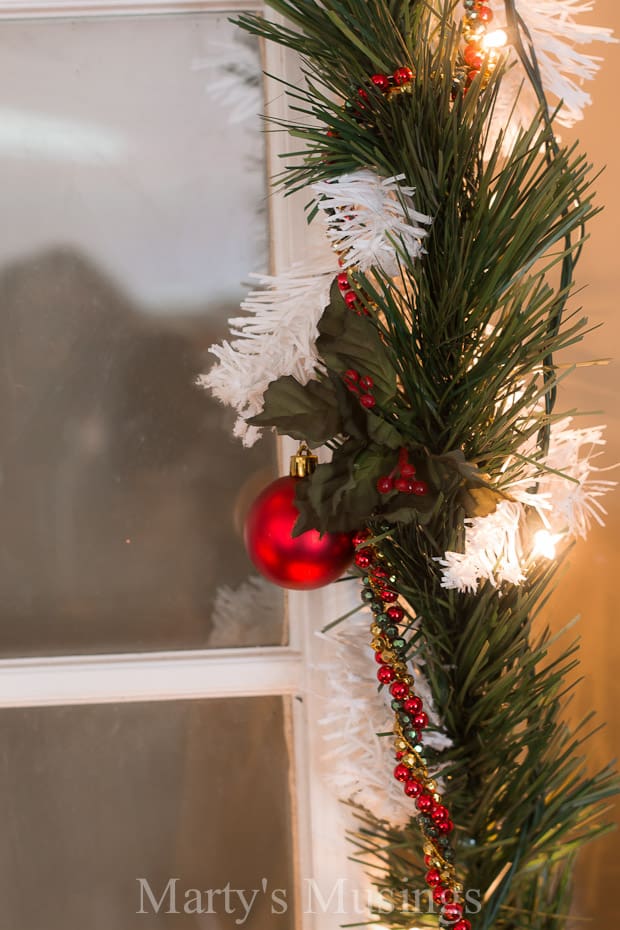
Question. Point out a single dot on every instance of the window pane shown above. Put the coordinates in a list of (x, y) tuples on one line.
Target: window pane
[(96, 798), (133, 201)]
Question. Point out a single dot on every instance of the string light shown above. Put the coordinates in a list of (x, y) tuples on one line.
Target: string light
[(545, 544), (495, 39)]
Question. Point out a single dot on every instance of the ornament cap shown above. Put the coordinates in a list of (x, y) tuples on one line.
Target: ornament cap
[(303, 463)]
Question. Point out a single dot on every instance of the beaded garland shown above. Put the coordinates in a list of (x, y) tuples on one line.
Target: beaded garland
[(410, 720)]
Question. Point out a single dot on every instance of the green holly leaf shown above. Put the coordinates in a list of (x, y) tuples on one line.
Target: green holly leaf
[(347, 340), (383, 433), (307, 412)]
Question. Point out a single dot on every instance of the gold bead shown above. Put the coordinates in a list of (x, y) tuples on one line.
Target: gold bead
[(436, 797), (431, 786), (410, 759), (401, 745), (457, 888), (375, 630)]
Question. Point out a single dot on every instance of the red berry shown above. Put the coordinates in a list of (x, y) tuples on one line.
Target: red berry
[(368, 401), (350, 298), (388, 595), (462, 924), (362, 93), (399, 690), (433, 877), (385, 484), (367, 383), (401, 484), (402, 772), (419, 721), (413, 705), (485, 14), (413, 788), (424, 803), (403, 76), (452, 911), (386, 674), (472, 56), (395, 613), (420, 488), (351, 374), (343, 281), (407, 470), (381, 81)]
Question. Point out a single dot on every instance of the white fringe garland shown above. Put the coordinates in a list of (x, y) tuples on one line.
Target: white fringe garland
[(371, 219), (277, 338)]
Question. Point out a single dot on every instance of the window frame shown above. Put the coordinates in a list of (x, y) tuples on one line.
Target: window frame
[(293, 671)]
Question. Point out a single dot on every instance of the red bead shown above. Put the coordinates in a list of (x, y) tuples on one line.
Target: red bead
[(362, 93), (399, 755), (395, 613), (401, 772), (386, 674), (472, 56), (440, 813), (419, 488), (381, 81), (385, 484), (362, 535), (413, 788), (363, 558), (485, 14), (407, 471), (433, 877), (420, 721), (452, 911), (388, 595), (368, 401), (379, 658), (402, 485), (343, 281), (413, 705), (462, 924), (424, 803), (302, 562), (379, 572), (367, 383), (399, 690), (403, 76), (427, 861), (443, 895), (445, 826), (350, 298)]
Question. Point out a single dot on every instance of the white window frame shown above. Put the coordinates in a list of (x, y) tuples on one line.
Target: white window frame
[(292, 671)]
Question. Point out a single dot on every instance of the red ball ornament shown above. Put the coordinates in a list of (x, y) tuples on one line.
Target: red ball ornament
[(381, 81), (298, 562), (403, 76)]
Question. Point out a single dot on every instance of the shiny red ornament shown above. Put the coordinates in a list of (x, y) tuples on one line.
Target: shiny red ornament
[(386, 674), (381, 81), (452, 911), (298, 562), (403, 76), (463, 924)]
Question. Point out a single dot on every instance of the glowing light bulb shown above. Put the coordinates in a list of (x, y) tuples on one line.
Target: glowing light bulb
[(495, 39), (545, 543)]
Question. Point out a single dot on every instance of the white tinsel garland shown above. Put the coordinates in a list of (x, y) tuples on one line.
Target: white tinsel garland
[(498, 547), (353, 717), (277, 338), (558, 36), (370, 219)]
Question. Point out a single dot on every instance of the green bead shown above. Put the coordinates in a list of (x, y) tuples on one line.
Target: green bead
[(399, 644), (366, 580), (405, 719), (396, 705), (411, 735), (432, 831), (382, 618), (376, 607), (448, 854), (367, 595), (391, 632)]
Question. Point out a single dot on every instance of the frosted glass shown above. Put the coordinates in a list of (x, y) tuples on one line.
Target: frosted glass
[(133, 203), (95, 799)]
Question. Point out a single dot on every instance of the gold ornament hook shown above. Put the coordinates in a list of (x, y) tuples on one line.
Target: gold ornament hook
[(304, 462)]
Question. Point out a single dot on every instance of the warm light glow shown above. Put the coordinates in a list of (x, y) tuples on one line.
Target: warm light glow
[(495, 39), (544, 544)]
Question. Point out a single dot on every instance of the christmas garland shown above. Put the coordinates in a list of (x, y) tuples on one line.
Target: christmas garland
[(422, 352)]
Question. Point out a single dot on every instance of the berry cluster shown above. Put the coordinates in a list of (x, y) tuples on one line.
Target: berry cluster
[(402, 478), (349, 296), (362, 386), (410, 721)]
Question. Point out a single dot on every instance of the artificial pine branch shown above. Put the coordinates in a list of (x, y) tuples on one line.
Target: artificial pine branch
[(460, 349)]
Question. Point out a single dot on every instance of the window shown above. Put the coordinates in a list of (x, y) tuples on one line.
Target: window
[(158, 704)]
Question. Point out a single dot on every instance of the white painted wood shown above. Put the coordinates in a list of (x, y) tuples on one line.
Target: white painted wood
[(40, 9), (151, 676)]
